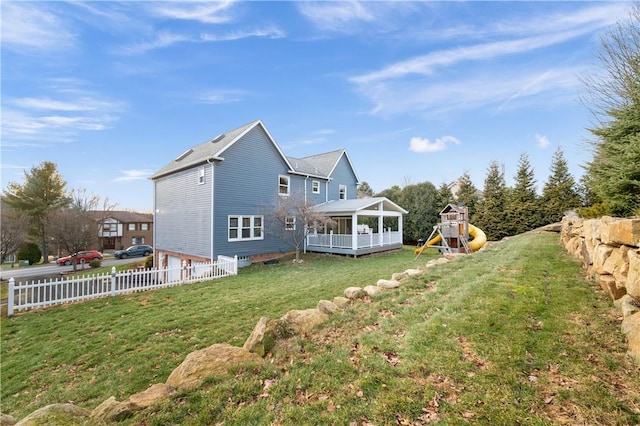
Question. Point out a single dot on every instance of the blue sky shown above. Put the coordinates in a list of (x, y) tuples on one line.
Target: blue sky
[(415, 91)]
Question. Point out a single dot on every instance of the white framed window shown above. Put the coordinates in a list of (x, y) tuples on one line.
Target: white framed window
[(201, 176), (243, 228), (289, 223), (315, 187), (342, 189), (131, 227), (144, 226), (283, 185)]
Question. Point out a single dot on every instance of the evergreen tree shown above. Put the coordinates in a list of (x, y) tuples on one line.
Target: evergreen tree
[(364, 190), (615, 171), (467, 193), (523, 211), (491, 216), (42, 193), (613, 96), (444, 196), (559, 193), (420, 201)]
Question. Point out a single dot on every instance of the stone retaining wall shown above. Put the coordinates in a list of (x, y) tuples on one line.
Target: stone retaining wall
[(609, 249)]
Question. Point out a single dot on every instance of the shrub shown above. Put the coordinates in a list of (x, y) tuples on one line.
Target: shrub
[(30, 252), (148, 262), (95, 263)]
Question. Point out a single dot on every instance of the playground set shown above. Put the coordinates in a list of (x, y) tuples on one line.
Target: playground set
[(452, 234)]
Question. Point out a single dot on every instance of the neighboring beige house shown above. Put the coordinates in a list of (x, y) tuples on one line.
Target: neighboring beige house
[(118, 230)]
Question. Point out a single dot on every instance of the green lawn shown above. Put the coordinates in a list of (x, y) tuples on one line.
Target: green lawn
[(510, 335)]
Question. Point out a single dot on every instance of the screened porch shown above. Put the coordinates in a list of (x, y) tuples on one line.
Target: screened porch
[(361, 226)]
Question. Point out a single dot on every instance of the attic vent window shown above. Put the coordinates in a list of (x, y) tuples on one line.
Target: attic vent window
[(217, 138), (184, 154)]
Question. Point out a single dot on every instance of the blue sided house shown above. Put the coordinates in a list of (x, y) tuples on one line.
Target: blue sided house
[(215, 198)]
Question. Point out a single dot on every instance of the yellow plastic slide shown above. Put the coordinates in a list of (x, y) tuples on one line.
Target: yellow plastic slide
[(479, 240)]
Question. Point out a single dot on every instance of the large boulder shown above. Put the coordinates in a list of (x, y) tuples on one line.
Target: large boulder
[(387, 284), (608, 284), (414, 272), (303, 321), (617, 264), (627, 305), (328, 307), (631, 328), (620, 231), (341, 302), (111, 411), (372, 290), (57, 415), (591, 233), (214, 360), (353, 292), (262, 338), (7, 420), (600, 255), (149, 397), (633, 274)]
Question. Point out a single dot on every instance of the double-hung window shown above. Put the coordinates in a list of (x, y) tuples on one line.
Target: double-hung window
[(283, 185), (290, 223), (244, 228), (201, 175), (315, 187), (343, 192)]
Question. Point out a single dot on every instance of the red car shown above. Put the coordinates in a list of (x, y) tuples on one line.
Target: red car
[(86, 256)]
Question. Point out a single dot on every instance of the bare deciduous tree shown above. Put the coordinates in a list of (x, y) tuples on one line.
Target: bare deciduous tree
[(74, 227), (13, 230), (291, 218)]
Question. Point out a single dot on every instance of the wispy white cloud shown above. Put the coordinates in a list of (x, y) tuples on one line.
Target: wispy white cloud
[(336, 15), (423, 145), (221, 96), (165, 39), (58, 118), (29, 27), (428, 64), (268, 32), (543, 141), (159, 40), (501, 90), (206, 12), (133, 175)]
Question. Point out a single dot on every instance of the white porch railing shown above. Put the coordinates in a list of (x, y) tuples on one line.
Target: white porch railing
[(345, 241), (30, 295)]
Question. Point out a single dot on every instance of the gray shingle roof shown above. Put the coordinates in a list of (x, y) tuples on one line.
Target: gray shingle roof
[(320, 165), (200, 153)]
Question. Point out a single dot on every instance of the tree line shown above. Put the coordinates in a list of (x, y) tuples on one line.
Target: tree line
[(497, 209)]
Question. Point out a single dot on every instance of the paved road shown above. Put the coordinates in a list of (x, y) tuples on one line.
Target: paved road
[(52, 270)]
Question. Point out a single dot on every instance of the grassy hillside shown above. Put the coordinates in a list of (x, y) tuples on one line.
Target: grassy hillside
[(511, 335)]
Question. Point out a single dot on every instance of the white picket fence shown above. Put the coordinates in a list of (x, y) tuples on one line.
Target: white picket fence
[(30, 295)]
